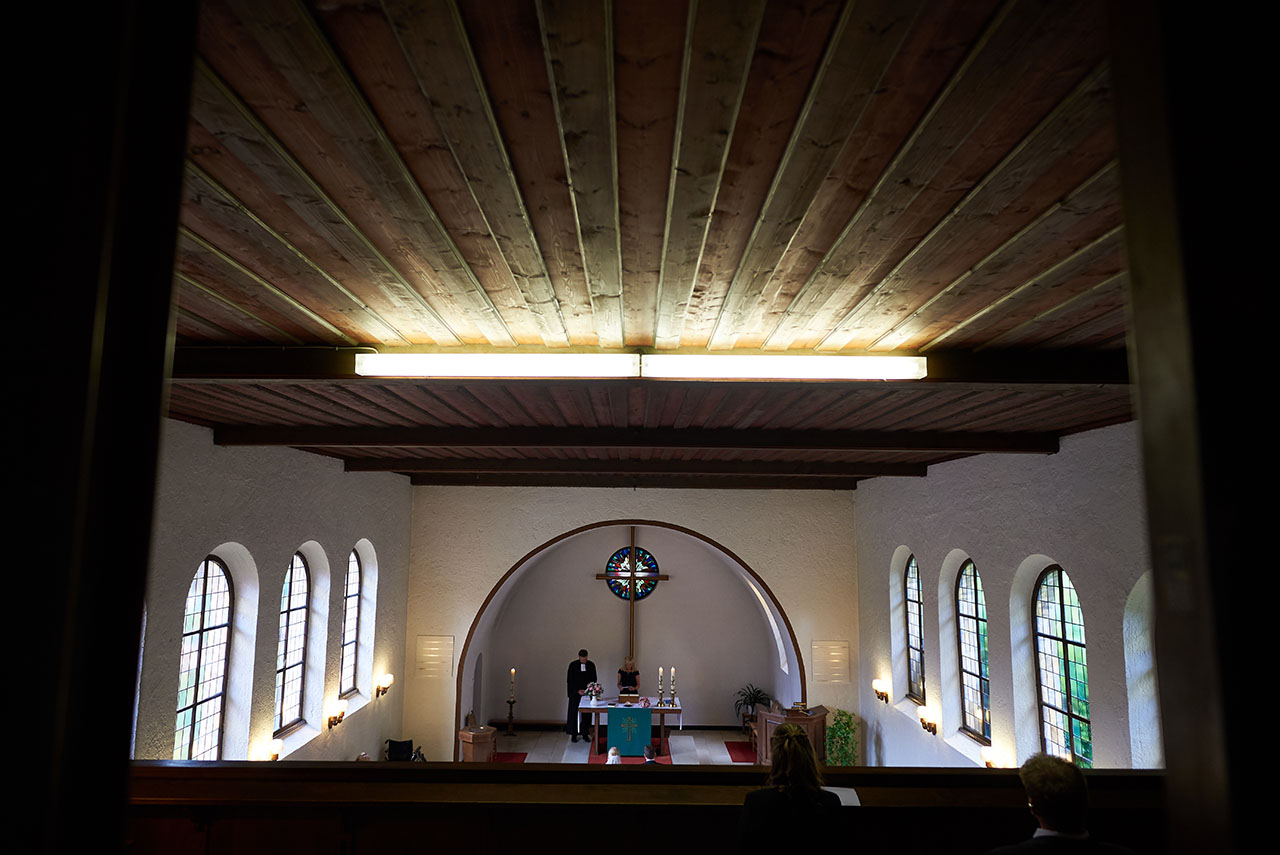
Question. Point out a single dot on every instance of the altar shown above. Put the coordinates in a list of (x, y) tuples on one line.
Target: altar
[(599, 713)]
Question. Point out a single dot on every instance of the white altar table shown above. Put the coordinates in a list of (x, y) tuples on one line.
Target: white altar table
[(599, 710)]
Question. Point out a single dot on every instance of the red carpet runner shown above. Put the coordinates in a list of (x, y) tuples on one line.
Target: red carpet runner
[(741, 752)]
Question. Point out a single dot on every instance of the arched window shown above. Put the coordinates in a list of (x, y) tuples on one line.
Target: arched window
[(350, 625), (915, 632), (1062, 672), (291, 653), (975, 677), (202, 669)]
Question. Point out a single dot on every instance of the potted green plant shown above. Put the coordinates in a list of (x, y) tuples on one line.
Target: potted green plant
[(842, 748), (747, 698)]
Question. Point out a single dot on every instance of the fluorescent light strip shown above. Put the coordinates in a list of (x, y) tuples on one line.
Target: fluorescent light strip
[(806, 367), (515, 365), (655, 366)]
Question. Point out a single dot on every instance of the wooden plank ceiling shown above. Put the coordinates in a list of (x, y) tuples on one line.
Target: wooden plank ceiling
[(881, 176)]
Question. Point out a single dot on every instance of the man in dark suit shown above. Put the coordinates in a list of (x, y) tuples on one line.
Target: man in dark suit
[(581, 672), (1058, 799)]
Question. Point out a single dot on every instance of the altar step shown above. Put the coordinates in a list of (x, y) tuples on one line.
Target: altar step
[(687, 748)]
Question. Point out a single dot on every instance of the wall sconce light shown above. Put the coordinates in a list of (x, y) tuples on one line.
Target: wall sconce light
[(277, 748), (931, 726), (384, 683), (881, 688), (988, 755), (337, 712)]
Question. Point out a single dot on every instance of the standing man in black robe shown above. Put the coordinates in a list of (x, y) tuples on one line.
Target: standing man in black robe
[(581, 672)]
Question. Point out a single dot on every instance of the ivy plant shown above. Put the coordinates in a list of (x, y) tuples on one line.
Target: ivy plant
[(842, 747)]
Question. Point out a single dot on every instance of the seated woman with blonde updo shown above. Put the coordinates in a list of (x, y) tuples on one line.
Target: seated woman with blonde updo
[(793, 807)]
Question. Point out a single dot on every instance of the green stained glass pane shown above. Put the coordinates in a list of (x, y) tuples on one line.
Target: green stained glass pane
[(1064, 670)]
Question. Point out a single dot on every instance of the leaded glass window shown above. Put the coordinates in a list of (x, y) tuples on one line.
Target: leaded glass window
[(291, 652), (350, 625), (202, 665), (915, 632), (1062, 672), (618, 573), (975, 676)]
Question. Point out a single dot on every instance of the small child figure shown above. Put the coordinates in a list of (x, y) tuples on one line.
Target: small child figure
[(615, 759)]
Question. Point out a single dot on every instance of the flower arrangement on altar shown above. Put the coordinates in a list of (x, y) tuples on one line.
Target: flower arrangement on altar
[(594, 691)]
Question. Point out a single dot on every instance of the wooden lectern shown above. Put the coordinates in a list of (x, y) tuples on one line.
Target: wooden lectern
[(813, 720)]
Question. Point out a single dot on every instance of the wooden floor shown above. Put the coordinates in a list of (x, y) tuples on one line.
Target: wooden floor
[(688, 748)]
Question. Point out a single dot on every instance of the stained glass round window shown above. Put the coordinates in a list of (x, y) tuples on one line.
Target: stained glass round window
[(619, 566)]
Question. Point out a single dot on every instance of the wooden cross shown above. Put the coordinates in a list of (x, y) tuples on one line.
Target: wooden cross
[(631, 600)]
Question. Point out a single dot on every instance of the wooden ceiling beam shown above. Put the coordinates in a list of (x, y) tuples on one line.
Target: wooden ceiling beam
[(943, 442), (791, 468), (206, 294), (648, 47), (1092, 207), (892, 313), (288, 33), (719, 44), (879, 234), (262, 294), (683, 482), (215, 106), (324, 290), (862, 46), (1059, 320), (1051, 285), (434, 43), (577, 39), (509, 53)]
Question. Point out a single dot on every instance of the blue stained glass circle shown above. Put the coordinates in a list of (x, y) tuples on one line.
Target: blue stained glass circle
[(619, 565)]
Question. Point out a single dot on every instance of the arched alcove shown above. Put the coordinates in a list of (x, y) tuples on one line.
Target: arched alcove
[(714, 618), (314, 679), (366, 630), (898, 623), (1022, 653), (950, 693), (1145, 741)]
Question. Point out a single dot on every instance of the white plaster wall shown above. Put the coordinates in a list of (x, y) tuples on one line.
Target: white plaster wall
[(702, 620), (1081, 508), (259, 506), (465, 538)]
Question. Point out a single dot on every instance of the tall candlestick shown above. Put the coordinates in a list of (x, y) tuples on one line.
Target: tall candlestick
[(659, 685)]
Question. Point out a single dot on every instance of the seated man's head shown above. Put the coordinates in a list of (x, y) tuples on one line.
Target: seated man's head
[(648, 752), (1056, 793)]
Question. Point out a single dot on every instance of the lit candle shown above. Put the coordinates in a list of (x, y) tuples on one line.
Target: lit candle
[(659, 681), (513, 683)]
